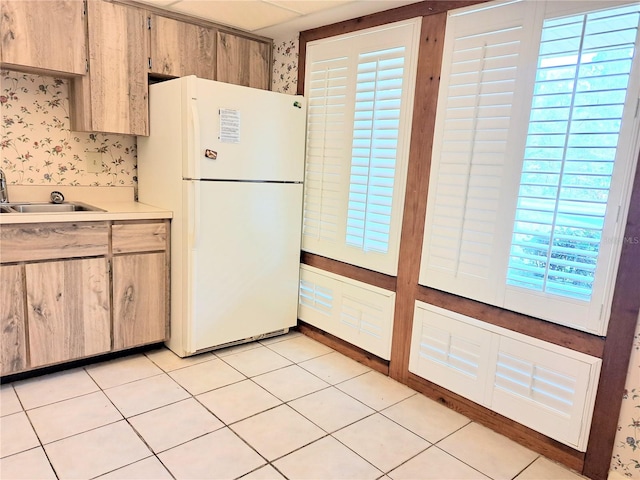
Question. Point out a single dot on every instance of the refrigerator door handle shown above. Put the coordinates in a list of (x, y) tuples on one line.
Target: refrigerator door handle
[(194, 213), (193, 145)]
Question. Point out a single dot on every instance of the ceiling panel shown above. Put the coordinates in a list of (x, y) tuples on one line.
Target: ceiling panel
[(306, 7), (245, 15)]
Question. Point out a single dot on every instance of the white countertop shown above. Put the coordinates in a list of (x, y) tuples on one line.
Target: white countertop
[(117, 203)]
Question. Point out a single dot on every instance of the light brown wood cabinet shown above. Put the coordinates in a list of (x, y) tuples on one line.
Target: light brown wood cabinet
[(113, 97), (243, 61), (43, 36), (178, 49), (13, 345), (68, 310), (140, 283), (78, 289)]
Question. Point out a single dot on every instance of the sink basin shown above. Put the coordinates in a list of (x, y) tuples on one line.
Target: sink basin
[(49, 207)]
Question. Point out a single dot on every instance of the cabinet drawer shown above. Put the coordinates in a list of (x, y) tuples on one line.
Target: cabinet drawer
[(139, 237), (48, 241)]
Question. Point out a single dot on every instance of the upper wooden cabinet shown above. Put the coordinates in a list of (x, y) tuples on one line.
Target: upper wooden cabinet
[(243, 61), (113, 97), (43, 36), (179, 49)]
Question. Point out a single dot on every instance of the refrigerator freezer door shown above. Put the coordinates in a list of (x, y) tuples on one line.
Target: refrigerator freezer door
[(245, 247), (243, 133)]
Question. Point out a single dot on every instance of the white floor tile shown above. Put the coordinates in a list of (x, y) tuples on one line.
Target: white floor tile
[(300, 348), (174, 424), (376, 390), (16, 434), (256, 361), (425, 417), (122, 370), (331, 409), (238, 401), (148, 469), (326, 459), (168, 361), (9, 402), (96, 452), (29, 465), (545, 468), (39, 391), (434, 464), (382, 442), (206, 376), (264, 473), (143, 395), (278, 431), (290, 382), (498, 457), (220, 454), (76, 415), (334, 367)]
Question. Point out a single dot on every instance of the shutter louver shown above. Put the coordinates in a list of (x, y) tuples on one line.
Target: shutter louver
[(364, 318), (374, 149), (326, 131)]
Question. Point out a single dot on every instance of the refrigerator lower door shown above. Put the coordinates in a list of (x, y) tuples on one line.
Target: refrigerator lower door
[(245, 256)]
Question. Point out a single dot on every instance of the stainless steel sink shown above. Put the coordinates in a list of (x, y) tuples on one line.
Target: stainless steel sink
[(48, 207)]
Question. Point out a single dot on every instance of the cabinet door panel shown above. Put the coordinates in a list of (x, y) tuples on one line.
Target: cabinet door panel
[(139, 299), (68, 310), (179, 49), (243, 61), (113, 97), (13, 352), (45, 36)]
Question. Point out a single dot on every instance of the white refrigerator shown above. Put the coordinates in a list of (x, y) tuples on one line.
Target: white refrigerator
[(229, 162)]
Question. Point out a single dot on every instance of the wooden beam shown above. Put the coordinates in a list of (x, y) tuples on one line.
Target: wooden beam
[(415, 203), (618, 346), (350, 271)]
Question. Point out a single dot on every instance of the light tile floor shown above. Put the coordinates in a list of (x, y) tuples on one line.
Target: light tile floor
[(286, 407)]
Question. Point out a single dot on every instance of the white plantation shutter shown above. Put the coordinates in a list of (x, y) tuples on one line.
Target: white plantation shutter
[(360, 90), (476, 105), (374, 148), (568, 200), (326, 131), (537, 143)]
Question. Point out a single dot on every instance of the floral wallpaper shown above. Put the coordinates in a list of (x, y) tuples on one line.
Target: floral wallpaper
[(626, 453), (285, 66), (38, 147)]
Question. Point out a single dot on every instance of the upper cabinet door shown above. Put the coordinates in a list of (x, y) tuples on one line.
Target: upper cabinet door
[(43, 36), (113, 97), (179, 49), (243, 61)]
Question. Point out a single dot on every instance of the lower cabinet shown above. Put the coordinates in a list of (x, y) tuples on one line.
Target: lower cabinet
[(549, 388), (139, 299), (74, 290), (13, 344), (68, 310)]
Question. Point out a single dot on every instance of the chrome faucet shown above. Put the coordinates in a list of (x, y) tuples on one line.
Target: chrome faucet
[(4, 196)]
